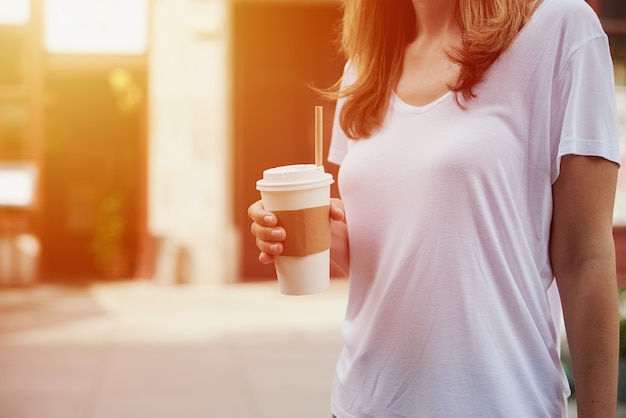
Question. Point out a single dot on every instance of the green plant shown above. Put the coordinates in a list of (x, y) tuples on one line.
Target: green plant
[(108, 231), (622, 338), (621, 293)]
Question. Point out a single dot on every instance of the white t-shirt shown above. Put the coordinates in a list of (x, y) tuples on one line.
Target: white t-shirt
[(451, 311)]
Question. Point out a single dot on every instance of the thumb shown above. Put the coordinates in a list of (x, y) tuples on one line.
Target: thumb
[(337, 212)]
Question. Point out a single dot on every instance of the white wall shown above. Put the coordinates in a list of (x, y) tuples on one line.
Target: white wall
[(189, 153)]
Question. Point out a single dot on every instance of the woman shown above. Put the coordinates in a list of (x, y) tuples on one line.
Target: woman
[(478, 148)]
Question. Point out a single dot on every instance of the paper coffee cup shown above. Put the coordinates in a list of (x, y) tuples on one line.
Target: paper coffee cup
[(299, 195)]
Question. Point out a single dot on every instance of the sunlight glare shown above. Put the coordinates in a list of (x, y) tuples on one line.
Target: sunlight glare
[(14, 12), (96, 26)]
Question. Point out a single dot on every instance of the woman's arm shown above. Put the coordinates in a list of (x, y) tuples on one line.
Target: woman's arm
[(583, 261)]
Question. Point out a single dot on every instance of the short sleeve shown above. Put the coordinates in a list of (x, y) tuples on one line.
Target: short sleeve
[(339, 140), (584, 115)]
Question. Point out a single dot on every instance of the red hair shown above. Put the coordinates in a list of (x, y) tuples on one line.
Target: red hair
[(376, 33)]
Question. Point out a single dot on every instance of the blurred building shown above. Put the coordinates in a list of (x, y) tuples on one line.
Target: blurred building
[(132, 132)]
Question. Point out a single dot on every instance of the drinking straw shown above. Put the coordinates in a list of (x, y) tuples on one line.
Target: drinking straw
[(319, 140)]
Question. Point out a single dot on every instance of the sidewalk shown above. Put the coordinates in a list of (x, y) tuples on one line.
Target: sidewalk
[(140, 350)]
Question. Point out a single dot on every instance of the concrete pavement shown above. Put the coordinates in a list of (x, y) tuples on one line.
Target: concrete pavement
[(140, 350)]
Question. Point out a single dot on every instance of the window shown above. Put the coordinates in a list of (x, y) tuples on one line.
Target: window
[(14, 12), (96, 26), (17, 184)]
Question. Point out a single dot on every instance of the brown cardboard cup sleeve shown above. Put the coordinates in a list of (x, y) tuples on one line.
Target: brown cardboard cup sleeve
[(308, 230)]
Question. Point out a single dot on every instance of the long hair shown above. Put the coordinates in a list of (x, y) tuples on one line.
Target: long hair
[(376, 33)]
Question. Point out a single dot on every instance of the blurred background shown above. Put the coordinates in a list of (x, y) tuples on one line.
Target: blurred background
[(132, 133)]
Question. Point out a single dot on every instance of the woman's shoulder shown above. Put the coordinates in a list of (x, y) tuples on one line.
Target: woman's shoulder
[(573, 19), (557, 29)]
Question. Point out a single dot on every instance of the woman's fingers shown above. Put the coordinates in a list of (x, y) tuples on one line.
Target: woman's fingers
[(258, 214), (268, 235), (265, 258), (269, 247), (337, 211)]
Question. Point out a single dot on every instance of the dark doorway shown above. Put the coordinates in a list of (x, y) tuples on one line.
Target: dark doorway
[(94, 175), (279, 50)]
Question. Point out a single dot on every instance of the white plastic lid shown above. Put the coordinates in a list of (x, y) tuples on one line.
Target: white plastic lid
[(294, 177)]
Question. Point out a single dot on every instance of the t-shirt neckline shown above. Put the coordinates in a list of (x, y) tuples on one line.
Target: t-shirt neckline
[(397, 101)]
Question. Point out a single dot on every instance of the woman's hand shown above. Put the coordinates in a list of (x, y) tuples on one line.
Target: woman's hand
[(340, 249), (269, 236)]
